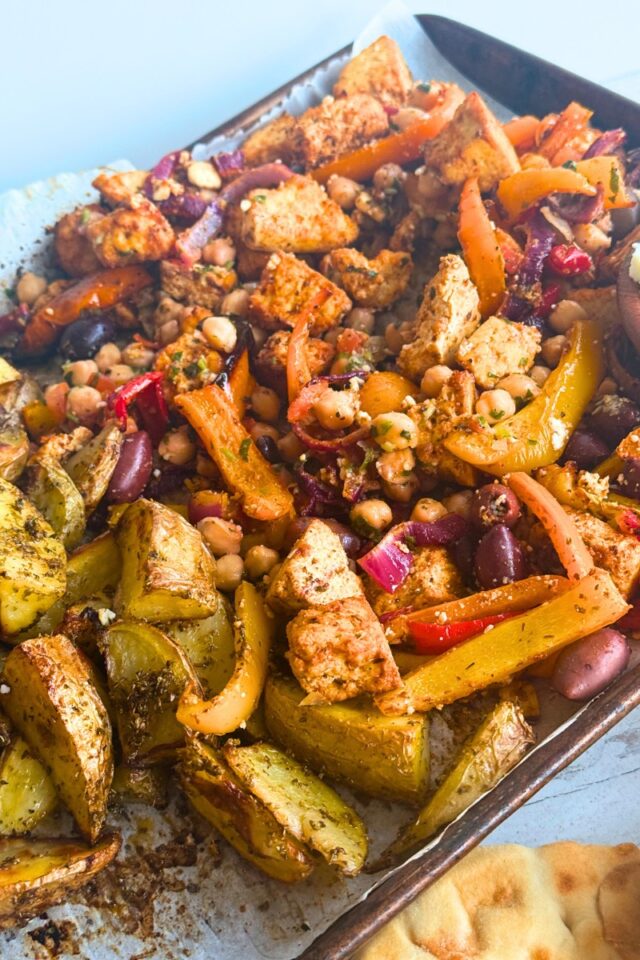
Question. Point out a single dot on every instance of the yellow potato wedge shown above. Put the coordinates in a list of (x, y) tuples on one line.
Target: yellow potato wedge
[(209, 645), (32, 562), (47, 693), (147, 785), (302, 803), (243, 821), (27, 793), (91, 468), (167, 572), (53, 492), (36, 874)]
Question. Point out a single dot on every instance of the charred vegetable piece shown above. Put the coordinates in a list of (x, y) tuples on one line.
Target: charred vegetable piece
[(14, 448), (36, 874), (53, 492), (340, 739), (253, 630), (147, 673), (16, 393), (92, 466), (523, 189), (32, 562), (245, 822), (147, 785), (302, 803), (48, 694), (167, 572), (27, 793), (512, 645), (481, 250), (210, 646), (494, 749)]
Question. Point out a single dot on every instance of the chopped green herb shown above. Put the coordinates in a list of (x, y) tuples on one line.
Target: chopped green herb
[(570, 165), (614, 182), (177, 356), (424, 87), (260, 197), (405, 434), (244, 449), (228, 453), (192, 369), (497, 414)]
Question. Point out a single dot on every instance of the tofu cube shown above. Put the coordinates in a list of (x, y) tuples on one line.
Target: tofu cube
[(497, 348), (274, 141), (379, 69), (619, 553), (375, 283), (336, 127), (433, 578), (290, 288), (131, 235)]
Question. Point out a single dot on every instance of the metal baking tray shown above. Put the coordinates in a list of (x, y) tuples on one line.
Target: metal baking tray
[(524, 84)]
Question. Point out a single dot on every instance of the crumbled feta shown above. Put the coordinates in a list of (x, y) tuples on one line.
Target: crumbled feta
[(106, 616), (634, 266)]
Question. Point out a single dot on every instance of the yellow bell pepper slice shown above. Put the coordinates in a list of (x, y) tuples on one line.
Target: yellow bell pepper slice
[(607, 172), (537, 435)]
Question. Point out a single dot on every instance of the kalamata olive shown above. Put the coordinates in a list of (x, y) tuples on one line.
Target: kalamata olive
[(464, 552), (351, 543), (613, 417), (589, 665), (499, 558), (494, 503), (267, 447), (585, 449), (133, 468), (630, 482), (82, 339)]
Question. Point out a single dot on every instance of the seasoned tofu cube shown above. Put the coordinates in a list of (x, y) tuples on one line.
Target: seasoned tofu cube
[(290, 288), (336, 127), (375, 283), (316, 571), (188, 362), (274, 141), (271, 362), (338, 650), (131, 235), (435, 419), (616, 552), (380, 69), (73, 248), (473, 144), (433, 578), (448, 313), (498, 348), (297, 217), (118, 188), (198, 286)]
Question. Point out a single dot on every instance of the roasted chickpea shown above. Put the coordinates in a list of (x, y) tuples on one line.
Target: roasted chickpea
[(221, 536), (258, 430), (219, 252), (107, 356), (290, 447), (427, 510), (495, 405), (360, 318), (177, 447), (29, 287), (265, 403), (375, 515), (137, 355), (564, 315), (434, 380), (259, 561), (83, 403), (236, 303), (552, 350), (81, 372), (220, 333), (403, 490), (121, 373), (539, 374), (460, 503), (229, 570), (394, 431), (336, 409), (521, 387), (394, 467), (343, 191), (388, 177)]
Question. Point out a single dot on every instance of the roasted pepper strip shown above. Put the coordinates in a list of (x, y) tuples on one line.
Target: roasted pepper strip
[(607, 172), (99, 291), (234, 705), (480, 248), (523, 189), (521, 131), (494, 657), (438, 637), (399, 148), (571, 121), (537, 435), (146, 391), (244, 470)]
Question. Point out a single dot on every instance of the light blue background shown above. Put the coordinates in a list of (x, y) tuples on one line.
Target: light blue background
[(82, 83)]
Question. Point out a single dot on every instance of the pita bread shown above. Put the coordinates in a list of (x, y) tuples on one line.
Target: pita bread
[(565, 901)]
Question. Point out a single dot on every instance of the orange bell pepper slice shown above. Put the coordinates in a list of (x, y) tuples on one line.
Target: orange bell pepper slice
[(213, 416), (521, 190), (607, 172), (240, 383), (521, 131), (398, 148), (571, 121), (480, 248), (98, 291)]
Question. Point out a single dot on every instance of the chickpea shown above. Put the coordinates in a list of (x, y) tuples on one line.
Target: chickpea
[(564, 315), (434, 380), (220, 333), (360, 318), (265, 403), (260, 336), (591, 238), (394, 431), (81, 372), (219, 252), (205, 467), (406, 116), (259, 561), (29, 287), (520, 387), (394, 467), (203, 174), (290, 447), (336, 409), (83, 403), (221, 536), (236, 303), (393, 338), (343, 191), (427, 510), (607, 387), (168, 332), (107, 356), (388, 177), (137, 355), (495, 405), (371, 515), (55, 397), (229, 570), (258, 430), (539, 374), (121, 373), (177, 447), (402, 491), (552, 350), (459, 503), (168, 309)]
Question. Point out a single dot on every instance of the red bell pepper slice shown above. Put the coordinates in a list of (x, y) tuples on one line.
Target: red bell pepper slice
[(437, 637), (146, 392)]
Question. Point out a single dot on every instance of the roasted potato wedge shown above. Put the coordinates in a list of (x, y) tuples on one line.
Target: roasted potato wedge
[(148, 785), (302, 803), (27, 793), (16, 391), (339, 740), (48, 695), (14, 448), (36, 874), (32, 562), (209, 645), (499, 742), (53, 492), (92, 466), (147, 673), (167, 572), (242, 820)]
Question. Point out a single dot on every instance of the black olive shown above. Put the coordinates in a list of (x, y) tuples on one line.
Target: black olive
[(82, 339)]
